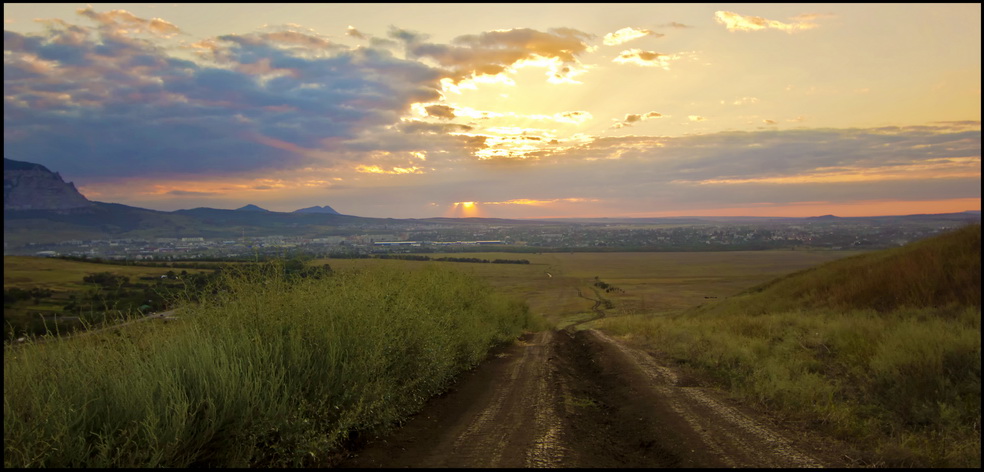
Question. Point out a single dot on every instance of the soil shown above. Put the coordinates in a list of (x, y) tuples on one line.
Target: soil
[(584, 399)]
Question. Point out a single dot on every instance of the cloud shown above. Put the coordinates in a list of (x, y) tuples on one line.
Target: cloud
[(644, 174), (440, 111), (646, 58), (111, 101), (122, 22), (674, 24), (627, 34), (736, 22), (631, 119), (188, 193), (351, 31), (494, 52)]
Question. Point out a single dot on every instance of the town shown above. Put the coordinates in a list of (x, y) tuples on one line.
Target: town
[(525, 237)]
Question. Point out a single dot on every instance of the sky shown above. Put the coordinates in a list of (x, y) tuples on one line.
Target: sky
[(503, 110)]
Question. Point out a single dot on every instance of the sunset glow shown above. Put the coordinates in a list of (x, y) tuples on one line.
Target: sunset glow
[(576, 110)]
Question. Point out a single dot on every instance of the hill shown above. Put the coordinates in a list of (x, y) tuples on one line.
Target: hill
[(318, 209), (882, 349), (251, 207), (939, 271)]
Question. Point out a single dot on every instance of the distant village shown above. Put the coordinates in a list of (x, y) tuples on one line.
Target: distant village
[(507, 238)]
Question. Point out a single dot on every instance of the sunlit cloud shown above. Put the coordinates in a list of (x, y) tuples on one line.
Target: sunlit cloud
[(633, 118), (736, 22), (535, 202), (122, 22), (932, 169), (627, 34), (393, 170), (494, 52), (646, 58)]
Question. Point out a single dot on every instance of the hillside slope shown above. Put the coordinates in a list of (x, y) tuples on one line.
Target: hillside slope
[(939, 271), (882, 350)]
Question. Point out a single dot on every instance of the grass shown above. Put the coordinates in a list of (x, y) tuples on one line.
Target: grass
[(269, 372), (882, 349), (64, 275), (65, 280), (652, 281), (278, 373)]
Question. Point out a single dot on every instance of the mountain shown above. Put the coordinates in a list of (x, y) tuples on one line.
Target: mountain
[(316, 209), (29, 186), (251, 207)]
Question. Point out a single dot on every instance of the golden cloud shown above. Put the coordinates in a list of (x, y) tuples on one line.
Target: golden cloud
[(627, 34), (736, 22), (533, 202), (646, 58)]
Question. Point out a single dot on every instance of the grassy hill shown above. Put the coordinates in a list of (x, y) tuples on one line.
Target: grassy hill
[(881, 349), (940, 271)]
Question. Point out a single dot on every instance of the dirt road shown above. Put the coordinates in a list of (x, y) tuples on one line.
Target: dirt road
[(583, 399)]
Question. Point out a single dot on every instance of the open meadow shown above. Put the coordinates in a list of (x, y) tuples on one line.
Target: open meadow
[(54, 294), (793, 333), (561, 286)]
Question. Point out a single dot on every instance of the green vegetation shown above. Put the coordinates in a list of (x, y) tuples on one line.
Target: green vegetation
[(275, 369), (882, 349), (42, 295)]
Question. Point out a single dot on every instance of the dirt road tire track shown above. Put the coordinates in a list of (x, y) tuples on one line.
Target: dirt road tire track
[(579, 399)]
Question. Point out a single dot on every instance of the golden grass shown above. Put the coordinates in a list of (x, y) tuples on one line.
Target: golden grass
[(652, 281), (882, 349)]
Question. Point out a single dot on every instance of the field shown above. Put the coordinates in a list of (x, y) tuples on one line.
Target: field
[(63, 275), (779, 330), (63, 282), (659, 282)]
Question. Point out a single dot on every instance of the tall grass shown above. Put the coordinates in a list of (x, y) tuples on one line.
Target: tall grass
[(883, 349), (268, 372)]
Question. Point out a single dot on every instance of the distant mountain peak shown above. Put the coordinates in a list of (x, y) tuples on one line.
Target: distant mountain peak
[(318, 209), (30, 186), (251, 207), (10, 164)]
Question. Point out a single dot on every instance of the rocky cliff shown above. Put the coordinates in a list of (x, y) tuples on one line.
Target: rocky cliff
[(28, 186)]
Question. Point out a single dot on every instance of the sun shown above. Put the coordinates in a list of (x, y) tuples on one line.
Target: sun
[(465, 210)]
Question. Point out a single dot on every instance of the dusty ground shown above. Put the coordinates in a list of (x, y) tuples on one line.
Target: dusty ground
[(583, 399)]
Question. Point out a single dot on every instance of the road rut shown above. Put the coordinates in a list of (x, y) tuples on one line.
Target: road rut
[(583, 399)]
